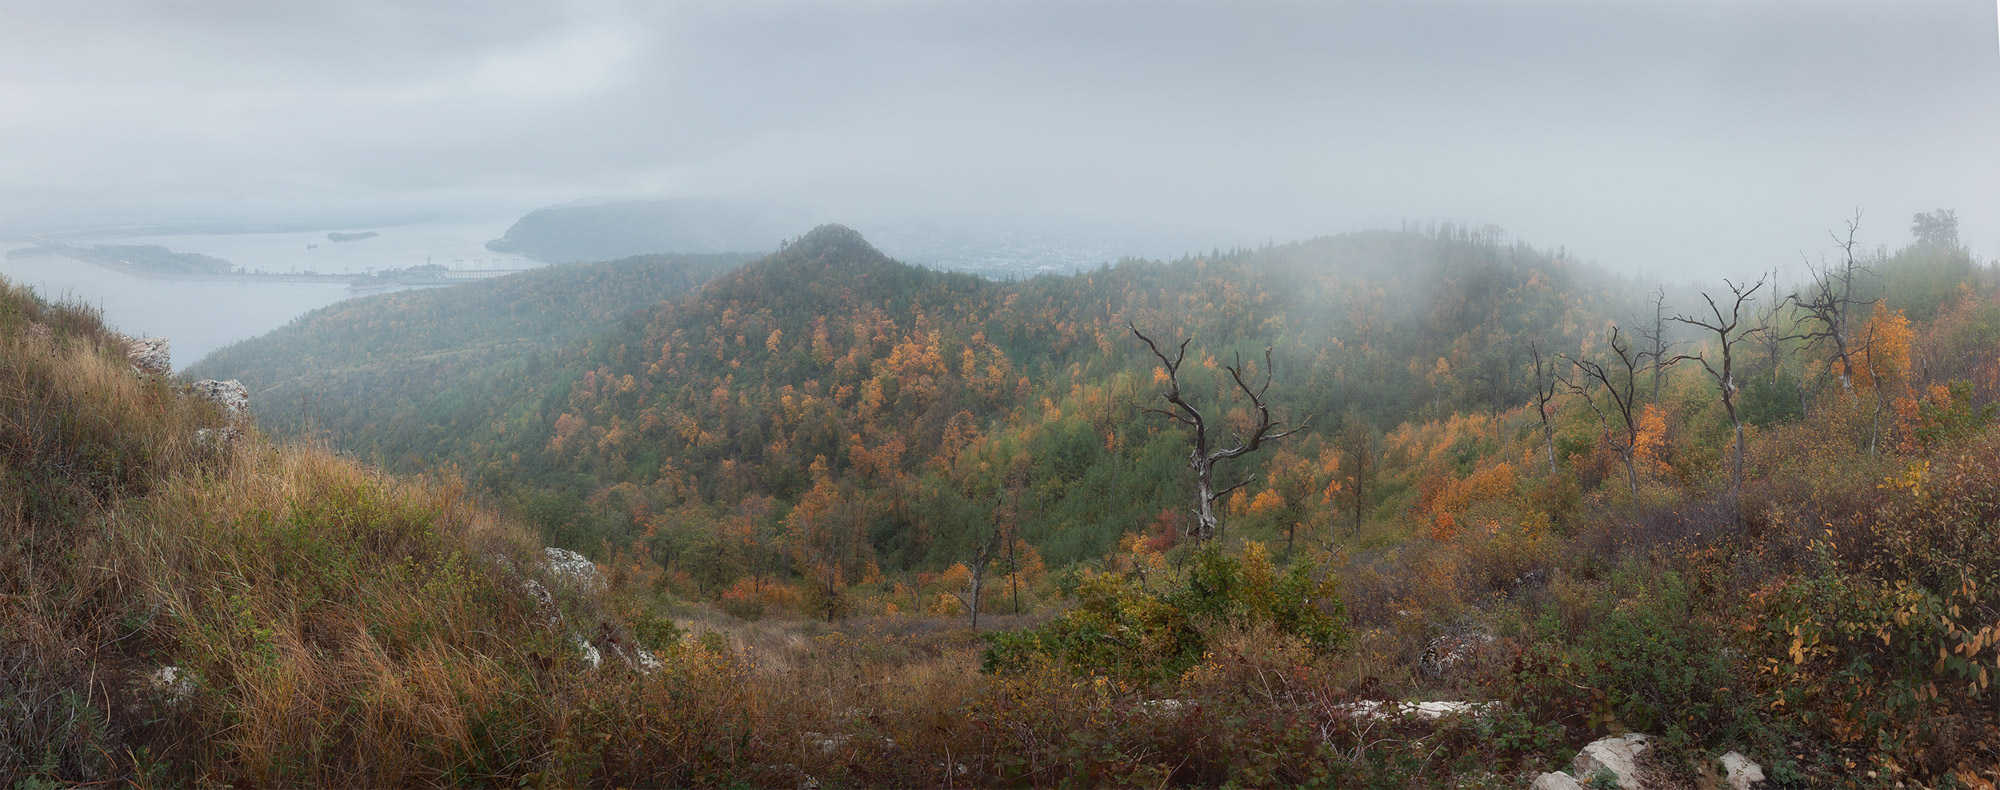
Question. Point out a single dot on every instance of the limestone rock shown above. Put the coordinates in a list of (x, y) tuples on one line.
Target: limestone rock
[(230, 395), (545, 602), (1425, 711), (150, 355), (1556, 781), (1618, 756), (172, 682), (588, 651), (1741, 772), (575, 569)]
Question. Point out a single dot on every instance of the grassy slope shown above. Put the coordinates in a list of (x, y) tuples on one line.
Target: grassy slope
[(340, 626)]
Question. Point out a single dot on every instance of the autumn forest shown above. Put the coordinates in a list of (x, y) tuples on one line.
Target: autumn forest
[(1276, 483)]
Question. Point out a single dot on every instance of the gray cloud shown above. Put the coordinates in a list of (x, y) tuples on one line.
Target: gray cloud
[(1669, 137)]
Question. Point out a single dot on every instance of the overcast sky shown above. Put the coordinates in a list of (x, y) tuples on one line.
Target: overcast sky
[(1668, 137)]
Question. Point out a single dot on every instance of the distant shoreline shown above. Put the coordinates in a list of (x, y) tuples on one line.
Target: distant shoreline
[(354, 282), (70, 255)]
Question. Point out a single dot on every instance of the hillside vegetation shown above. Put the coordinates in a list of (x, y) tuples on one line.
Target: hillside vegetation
[(412, 374), (821, 464), (917, 394), (185, 603)]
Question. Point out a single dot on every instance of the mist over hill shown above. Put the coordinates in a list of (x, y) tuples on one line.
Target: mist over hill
[(830, 451), (990, 394), (604, 229), (596, 231), (682, 391)]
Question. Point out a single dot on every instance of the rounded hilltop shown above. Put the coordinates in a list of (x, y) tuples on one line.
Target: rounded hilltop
[(833, 241)]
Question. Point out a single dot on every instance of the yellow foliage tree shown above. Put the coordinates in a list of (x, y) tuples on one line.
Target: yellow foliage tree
[(1650, 448)]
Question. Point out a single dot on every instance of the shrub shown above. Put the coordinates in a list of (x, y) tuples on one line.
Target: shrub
[(1122, 629), (1646, 657)]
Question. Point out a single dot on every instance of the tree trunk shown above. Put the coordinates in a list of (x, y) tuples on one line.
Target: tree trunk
[(1014, 576), (1631, 470), (1735, 422), (1739, 451), (1549, 438), (1204, 514), (978, 581)]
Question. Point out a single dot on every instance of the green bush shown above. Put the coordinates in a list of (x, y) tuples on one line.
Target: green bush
[(1122, 629)]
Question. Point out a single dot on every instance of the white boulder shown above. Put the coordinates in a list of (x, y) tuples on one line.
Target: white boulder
[(572, 568), (1738, 773), (1556, 781), (150, 355), (230, 395), (1424, 711), (1617, 756), (588, 651)]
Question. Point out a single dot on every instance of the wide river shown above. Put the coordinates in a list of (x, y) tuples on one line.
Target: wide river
[(204, 315)]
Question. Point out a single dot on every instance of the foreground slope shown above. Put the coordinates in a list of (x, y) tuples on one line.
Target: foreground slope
[(182, 601)]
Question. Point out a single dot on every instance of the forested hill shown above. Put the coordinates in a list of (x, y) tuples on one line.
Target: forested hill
[(833, 407), (418, 365)]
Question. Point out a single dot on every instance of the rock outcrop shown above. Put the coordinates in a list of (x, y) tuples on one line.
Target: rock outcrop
[(1618, 757), (1422, 711), (151, 356), (571, 568), (1556, 781), (230, 395), (575, 572), (1614, 762), (1738, 773)]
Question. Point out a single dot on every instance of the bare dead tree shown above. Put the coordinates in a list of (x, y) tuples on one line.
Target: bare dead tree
[(1829, 304), (1769, 337), (1546, 382), (1006, 524), (978, 566), (1620, 382), (1201, 458), (1727, 337), (1658, 349), (1875, 386)]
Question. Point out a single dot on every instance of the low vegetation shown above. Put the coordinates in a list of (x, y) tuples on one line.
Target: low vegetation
[(1566, 572)]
